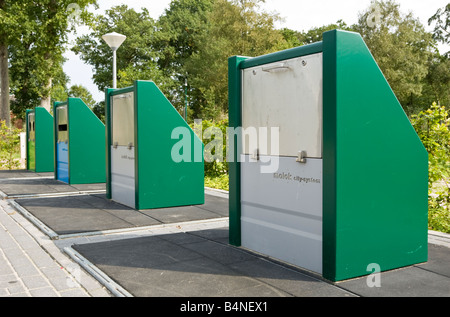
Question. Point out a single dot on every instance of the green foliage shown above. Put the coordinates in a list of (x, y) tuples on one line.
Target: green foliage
[(432, 126), (79, 91), (9, 147), (234, 28), (401, 47), (135, 57), (214, 133), (180, 32), (37, 32), (217, 182), (216, 167), (179, 29), (436, 85), (442, 24), (315, 34)]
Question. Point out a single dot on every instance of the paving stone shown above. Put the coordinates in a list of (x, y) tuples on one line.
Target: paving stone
[(37, 281), (44, 292)]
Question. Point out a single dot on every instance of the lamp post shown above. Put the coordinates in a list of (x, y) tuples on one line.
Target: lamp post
[(114, 40)]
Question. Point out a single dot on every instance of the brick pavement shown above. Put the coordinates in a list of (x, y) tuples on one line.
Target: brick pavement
[(32, 266)]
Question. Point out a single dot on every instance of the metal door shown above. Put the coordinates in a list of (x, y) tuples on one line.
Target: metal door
[(31, 141), (123, 149), (281, 211), (62, 143)]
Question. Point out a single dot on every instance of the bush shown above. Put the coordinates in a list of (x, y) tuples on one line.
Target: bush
[(217, 182), (214, 132), (9, 147), (432, 126), (216, 166)]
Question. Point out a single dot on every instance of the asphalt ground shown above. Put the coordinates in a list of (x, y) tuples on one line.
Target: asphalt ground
[(174, 253)]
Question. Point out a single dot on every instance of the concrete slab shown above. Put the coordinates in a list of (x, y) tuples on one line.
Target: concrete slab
[(80, 214), (22, 173), (32, 186), (192, 265)]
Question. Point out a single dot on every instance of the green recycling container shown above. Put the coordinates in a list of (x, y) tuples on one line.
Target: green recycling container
[(39, 136), (144, 169), (79, 143), (341, 189)]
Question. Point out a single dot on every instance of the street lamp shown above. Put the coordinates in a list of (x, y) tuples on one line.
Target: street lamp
[(114, 40)]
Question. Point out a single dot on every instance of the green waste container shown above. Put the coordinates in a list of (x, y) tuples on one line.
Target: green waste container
[(79, 143), (39, 136), (142, 170), (345, 189)]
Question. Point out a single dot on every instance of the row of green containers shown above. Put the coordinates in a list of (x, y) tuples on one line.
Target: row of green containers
[(131, 154), (350, 189)]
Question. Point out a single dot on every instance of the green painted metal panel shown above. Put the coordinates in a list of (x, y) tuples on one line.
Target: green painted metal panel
[(234, 121), (329, 228), (282, 55), (44, 141), (160, 181), (375, 167), (108, 93), (86, 144), (40, 150)]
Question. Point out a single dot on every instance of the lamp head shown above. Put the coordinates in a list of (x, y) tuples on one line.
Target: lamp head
[(114, 40)]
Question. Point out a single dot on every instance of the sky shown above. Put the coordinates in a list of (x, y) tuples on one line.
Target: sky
[(299, 15)]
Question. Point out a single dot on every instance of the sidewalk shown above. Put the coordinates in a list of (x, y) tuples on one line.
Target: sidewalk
[(32, 266)]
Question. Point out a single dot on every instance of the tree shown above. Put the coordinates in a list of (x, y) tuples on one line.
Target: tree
[(35, 33), (442, 25), (234, 28), (180, 31), (135, 55), (314, 34), (436, 86), (438, 78), (7, 26), (401, 47), (79, 91), (432, 126)]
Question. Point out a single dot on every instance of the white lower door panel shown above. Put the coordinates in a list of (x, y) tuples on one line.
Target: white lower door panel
[(123, 175), (281, 212)]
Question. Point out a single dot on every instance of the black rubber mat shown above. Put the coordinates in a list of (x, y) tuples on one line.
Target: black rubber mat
[(87, 213), (198, 264)]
